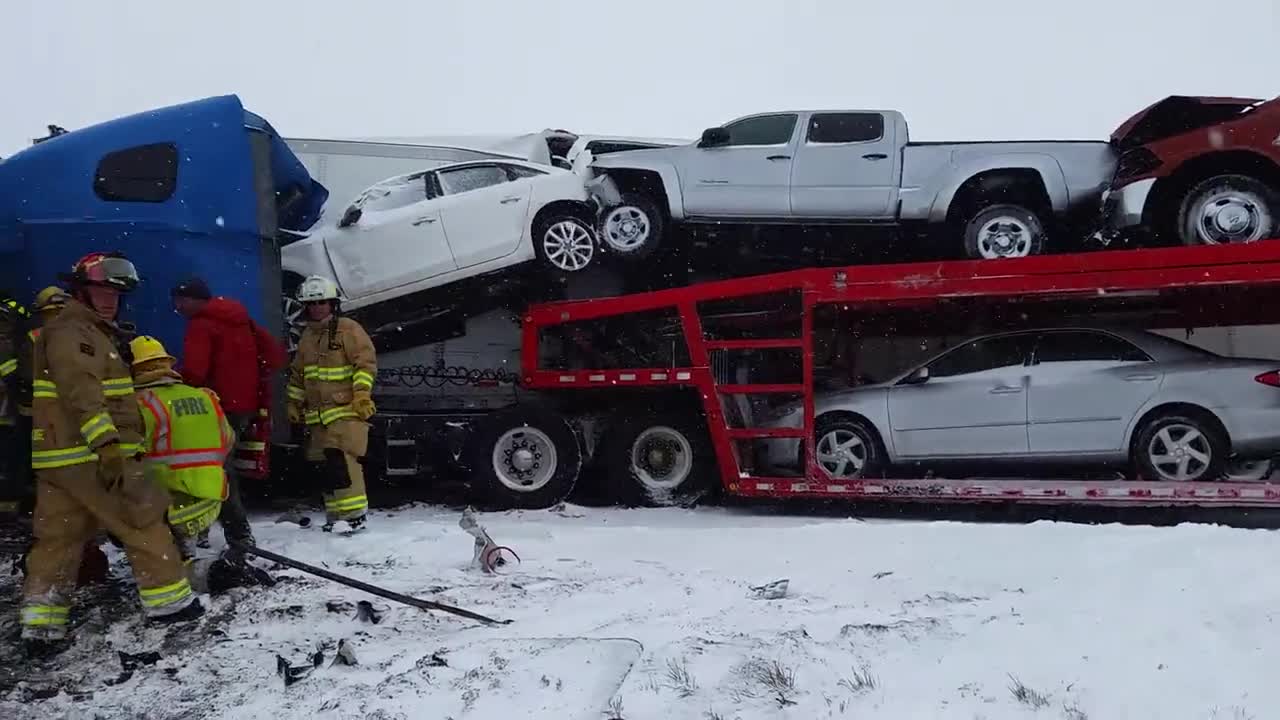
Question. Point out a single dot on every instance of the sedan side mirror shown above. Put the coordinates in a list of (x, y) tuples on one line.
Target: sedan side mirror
[(921, 375), (713, 137), (350, 217)]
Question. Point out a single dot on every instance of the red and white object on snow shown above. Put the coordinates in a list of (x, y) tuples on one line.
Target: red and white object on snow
[(488, 555)]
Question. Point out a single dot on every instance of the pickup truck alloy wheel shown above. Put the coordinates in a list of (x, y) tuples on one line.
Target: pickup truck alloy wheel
[(661, 458), (632, 229), (524, 459), (567, 244), (1004, 231), (1228, 209)]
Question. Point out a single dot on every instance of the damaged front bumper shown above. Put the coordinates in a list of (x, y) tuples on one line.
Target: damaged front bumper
[(604, 192), (1123, 208)]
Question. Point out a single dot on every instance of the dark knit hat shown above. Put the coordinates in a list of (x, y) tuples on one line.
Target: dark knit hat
[(192, 287)]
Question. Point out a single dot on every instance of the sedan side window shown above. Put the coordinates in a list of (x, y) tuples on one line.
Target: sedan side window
[(761, 130), (1087, 346), (473, 177), (981, 355)]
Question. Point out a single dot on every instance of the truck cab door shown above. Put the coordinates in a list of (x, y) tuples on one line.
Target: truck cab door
[(748, 176), (847, 166)]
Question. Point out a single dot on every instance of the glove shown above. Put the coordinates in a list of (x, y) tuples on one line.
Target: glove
[(110, 466), (363, 404), (295, 414)]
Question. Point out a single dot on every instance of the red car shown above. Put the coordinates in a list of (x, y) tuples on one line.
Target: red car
[(1198, 170)]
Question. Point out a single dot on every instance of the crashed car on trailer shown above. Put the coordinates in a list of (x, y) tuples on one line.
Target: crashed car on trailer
[(422, 231), (1198, 170)]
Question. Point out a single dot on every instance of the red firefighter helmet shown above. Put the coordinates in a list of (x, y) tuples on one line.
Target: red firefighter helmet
[(107, 269)]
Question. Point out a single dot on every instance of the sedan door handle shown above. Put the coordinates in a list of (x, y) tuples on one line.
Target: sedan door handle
[(423, 221), (510, 200), (1139, 378), (1006, 389), (875, 156), (778, 157)]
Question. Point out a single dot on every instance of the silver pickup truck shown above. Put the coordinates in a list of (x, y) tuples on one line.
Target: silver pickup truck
[(850, 167)]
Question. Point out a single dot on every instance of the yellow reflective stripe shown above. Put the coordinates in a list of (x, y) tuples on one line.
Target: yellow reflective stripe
[(296, 393), (8, 366), (356, 502), (115, 387), (166, 595), (362, 380), (187, 513), (33, 615), (334, 414), (313, 418), (262, 412), (47, 459), (130, 449), (111, 387), (43, 389), (5, 422), (251, 446), (328, 374), (97, 426)]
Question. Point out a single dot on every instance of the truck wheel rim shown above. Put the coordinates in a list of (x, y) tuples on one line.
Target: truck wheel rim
[(1230, 216), (524, 459), (626, 228), (1179, 452), (661, 458), (843, 453), (568, 246), (1004, 237)]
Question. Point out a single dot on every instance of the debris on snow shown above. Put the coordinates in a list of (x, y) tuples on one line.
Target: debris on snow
[(775, 590), (346, 654), (366, 612)]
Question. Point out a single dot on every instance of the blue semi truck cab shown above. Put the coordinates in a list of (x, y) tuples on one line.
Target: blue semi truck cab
[(202, 188)]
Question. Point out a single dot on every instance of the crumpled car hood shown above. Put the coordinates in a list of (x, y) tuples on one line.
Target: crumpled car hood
[(1175, 115)]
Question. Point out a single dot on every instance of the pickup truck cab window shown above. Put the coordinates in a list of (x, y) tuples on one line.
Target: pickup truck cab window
[(761, 130), (472, 177), (834, 128)]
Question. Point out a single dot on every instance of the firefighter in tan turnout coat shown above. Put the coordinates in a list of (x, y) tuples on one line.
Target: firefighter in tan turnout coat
[(87, 453), (330, 390)]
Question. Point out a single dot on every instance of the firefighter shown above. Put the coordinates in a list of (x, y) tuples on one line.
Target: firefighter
[(330, 390), (87, 453), (188, 438), (13, 368)]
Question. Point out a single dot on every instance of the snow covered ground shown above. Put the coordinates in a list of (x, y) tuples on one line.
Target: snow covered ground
[(649, 614)]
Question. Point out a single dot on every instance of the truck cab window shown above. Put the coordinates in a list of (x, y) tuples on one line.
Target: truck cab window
[(845, 127), (761, 130), (146, 173)]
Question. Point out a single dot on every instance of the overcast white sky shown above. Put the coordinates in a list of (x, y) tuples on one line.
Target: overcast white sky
[(960, 69)]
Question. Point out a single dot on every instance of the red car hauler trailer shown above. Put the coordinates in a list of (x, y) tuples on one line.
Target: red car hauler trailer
[(695, 332)]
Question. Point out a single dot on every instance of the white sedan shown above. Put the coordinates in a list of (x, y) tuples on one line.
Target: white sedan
[(427, 229)]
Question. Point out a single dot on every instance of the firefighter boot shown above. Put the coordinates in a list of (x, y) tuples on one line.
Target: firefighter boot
[(191, 612)]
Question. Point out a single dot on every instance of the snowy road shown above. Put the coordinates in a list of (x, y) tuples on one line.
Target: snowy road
[(650, 612)]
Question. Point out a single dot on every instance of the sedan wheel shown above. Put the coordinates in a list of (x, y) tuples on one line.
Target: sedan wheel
[(1181, 447), (847, 447), (567, 245)]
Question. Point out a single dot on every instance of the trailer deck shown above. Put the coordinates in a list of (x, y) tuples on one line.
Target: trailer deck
[(1181, 287)]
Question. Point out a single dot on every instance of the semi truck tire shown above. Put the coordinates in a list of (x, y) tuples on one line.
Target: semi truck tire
[(658, 460), (523, 457)]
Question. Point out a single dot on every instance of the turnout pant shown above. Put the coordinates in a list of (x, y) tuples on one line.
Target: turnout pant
[(338, 449), (234, 519), (71, 505)]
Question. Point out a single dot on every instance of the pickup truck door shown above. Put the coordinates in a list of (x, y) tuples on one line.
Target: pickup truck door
[(747, 177), (484, 211), (398, 240), (846, 166)]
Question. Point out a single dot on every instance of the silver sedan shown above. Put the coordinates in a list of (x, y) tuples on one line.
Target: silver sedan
[(1173, 411)]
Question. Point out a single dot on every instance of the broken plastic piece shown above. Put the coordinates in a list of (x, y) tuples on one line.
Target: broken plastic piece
[(290, 673), (346, 654), (775, 590)]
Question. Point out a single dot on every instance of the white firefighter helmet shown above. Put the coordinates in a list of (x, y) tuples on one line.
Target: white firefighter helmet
[(317, 289)]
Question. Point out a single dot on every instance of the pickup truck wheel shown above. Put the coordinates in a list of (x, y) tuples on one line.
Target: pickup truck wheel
[(1228, 209), (523, 457), (1004, 231), (658, 460), (633, 229), (564, 243)]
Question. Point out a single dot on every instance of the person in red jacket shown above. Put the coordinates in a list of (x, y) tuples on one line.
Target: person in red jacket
[(227, 352)]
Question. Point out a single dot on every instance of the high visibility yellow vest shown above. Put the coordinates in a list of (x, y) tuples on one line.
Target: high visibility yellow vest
[(188, 438)]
